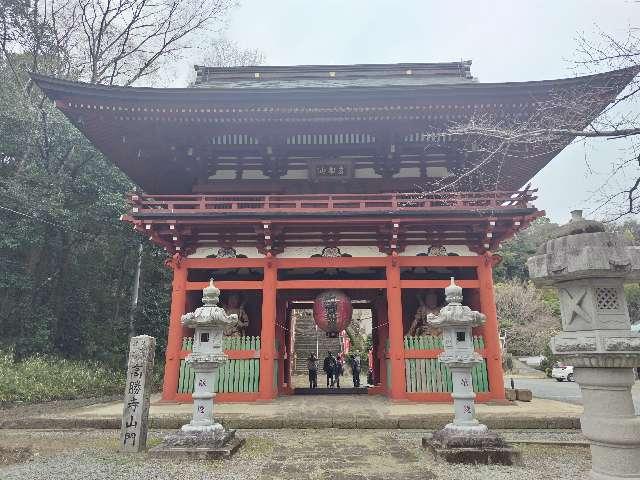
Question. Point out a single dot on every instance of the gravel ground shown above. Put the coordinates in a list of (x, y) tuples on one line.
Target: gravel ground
[(282, 454), (543, 435)]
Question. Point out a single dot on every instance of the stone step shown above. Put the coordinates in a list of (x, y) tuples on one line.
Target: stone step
[(330, 391), (305, 341)]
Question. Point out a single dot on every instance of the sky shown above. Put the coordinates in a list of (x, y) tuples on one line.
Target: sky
[(506, 40)]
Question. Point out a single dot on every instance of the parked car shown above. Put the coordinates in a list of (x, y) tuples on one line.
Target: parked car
[(562, 372)]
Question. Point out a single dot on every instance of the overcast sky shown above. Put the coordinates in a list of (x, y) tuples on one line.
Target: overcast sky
[(506, 40)]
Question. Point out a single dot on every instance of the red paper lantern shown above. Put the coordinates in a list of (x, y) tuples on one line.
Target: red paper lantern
[(332, 311)]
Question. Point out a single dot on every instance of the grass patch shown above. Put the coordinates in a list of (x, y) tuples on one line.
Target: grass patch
[(42, 379), (153, 442), (257, 447)]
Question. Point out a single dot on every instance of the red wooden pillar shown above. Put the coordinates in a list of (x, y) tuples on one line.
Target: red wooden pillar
[(491, 330), (396, 330), (174, 340), (267, 390)]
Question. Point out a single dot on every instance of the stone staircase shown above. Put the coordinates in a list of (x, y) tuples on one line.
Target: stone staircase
[(305, 342)]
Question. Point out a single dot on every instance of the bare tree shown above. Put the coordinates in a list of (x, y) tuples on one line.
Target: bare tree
[(127, 40), (227, 53), (525, 318), (109, 42), (564, 117)]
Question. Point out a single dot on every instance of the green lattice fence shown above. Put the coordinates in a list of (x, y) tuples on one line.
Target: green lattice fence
[(429, 375), (235, 375), (228, 343)]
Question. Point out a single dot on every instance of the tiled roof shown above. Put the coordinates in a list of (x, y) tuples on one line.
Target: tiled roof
[(328, 76)]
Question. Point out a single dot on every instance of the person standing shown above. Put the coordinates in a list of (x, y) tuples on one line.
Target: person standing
[(312, 365), (355, 369), (329, 367), (338, 370)]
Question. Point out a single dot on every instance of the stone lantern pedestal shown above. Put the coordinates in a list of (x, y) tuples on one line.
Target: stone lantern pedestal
[(203, 437), (465, 440), (589, 266)]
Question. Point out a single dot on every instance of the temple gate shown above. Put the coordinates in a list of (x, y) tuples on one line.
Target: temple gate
[(282, 182)]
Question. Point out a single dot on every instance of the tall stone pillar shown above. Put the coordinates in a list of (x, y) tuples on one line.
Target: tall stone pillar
[(589, 266)]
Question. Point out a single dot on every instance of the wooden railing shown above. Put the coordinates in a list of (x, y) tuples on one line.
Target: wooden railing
[(143, 203)]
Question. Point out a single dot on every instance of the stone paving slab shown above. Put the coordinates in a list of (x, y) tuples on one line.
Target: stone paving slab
[(361, 412)]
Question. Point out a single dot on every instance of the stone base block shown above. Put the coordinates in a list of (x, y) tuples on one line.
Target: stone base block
[(455, 446), (523, 395), (474, 456), (198, 446), (510, 394)]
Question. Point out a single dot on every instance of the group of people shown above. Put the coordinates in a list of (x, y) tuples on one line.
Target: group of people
[(429, 303), (333, 367)]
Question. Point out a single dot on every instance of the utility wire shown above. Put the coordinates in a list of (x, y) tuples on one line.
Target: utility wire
[(57, 225)]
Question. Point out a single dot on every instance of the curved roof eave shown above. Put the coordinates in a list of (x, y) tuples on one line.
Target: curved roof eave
[(57, 88)]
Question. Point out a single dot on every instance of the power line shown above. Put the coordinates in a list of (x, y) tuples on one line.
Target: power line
[(32, 216)]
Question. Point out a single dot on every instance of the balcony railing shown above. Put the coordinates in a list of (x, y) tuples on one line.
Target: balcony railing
[(384, 202)]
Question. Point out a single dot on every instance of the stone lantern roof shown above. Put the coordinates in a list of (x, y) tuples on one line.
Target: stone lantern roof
[(583, 249), (210, 314), (454, 314)]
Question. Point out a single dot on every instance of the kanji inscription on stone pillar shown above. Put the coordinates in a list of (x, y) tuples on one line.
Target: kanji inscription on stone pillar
[(137, 392)]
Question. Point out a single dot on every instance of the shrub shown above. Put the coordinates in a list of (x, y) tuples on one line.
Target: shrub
[(42, 378), (549, 360), (527, 315)]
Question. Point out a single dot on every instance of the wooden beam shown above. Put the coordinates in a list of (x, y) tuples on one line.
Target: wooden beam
[(460, 261), (438, 283), (326, 284), (331, 262), (213, 263), (302, 305), (225, 285)]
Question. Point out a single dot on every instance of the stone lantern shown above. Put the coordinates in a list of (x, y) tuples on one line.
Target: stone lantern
[(203, 437), (456, 321), (589, 266), (465, 440), (208, 322)]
